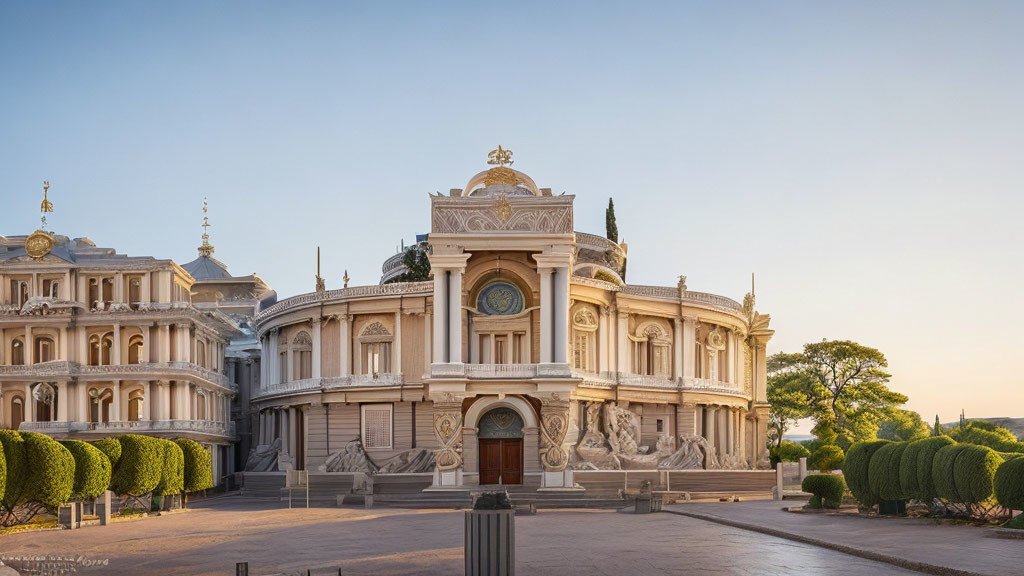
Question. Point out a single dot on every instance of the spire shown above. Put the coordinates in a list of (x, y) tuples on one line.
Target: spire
[(320, 284), (205, 249)]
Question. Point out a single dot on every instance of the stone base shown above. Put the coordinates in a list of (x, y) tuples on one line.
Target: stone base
[(447, 479), (557, 480)]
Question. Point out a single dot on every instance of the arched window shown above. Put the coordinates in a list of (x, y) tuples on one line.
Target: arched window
[(99, 349), (375, 345), (45, 351), (100, 400), (105, 349), (108, 292), (17, 353), (134, 291), (135, 400), (94, 293), (45, 396), (19, 292), (652, 347), (51, 289), (136, 349), (584, 339), (17, 412), (302, 356), (282, 358), (201, 406), (201, 353)]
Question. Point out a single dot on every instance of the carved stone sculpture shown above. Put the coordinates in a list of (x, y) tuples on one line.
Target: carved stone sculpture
[(351, 458), (263, 458), (448, 431), (554, 423)]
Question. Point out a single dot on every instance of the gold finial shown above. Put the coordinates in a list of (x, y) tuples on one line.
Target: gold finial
[(46, 206), (500, 157), (206, 248)]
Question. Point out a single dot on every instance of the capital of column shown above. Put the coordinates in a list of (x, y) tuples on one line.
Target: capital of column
[(448, 262)]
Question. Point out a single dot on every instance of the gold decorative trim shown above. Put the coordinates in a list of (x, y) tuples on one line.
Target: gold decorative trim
[(39, 244), (503, 208), (501, 175)]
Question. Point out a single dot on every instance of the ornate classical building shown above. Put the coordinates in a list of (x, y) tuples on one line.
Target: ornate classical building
[(524, 357), (95, 343)]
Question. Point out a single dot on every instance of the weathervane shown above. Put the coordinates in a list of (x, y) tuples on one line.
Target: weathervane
[(46, 206), (206, 248), (500, 157)]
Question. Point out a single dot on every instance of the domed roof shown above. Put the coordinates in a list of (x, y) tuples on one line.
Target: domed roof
[(207, 268), (501, 180)]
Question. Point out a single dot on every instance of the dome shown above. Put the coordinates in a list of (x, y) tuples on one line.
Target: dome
[(501, 180)]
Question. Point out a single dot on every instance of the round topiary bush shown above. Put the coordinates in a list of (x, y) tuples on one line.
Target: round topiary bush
[(788, 451), (51, 470), (92, 470), (916, 467), (1009, 484), (172, 471), (198, 465), (826, 490), (140, 467), (855, 470), (16, 488), (111, 448), (826, 458), (965, 473), (884, 472), (3, 473)]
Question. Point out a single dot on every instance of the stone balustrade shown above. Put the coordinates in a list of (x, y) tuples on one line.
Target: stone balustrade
[(142, 371), (330, 383), (501, 371), (211, 427)]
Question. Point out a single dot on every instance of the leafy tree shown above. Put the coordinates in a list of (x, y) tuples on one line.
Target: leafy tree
[(844, 383), (903, 426), (417, 265), (92, 469), (198, 465), (986, 434), (611, 229), (788, 398), (937, 430)]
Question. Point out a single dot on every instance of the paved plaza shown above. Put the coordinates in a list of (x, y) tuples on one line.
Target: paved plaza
[(217, 533)]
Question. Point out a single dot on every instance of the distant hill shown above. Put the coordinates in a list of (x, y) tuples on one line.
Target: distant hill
[(1015, 425)]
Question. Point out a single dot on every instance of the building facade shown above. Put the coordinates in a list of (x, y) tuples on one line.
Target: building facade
[(94, 343), (524, 357)]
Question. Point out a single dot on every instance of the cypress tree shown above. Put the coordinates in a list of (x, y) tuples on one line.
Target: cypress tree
[(938, 427), (611, 230)]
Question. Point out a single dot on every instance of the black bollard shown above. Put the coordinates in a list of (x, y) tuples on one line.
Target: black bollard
[(242, 569)]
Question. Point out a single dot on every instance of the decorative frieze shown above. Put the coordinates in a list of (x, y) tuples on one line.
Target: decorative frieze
[(548, 215), (448, 432), (554, 424)]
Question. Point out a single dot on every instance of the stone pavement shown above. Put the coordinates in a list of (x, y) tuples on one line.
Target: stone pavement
[(219, 532), (917, 543)]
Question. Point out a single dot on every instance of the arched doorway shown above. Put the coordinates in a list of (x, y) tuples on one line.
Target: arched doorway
[(501, 447)]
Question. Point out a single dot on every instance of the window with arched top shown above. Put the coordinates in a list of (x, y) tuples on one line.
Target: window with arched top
[(100, 400), (51, 289), (100, 347), (375, 345), (19, 292), (45, 396), (302, 356), (201, 353), (135, 404), (45, 350), (652, 350), (17, 352), (201, 406), (584, 338), (136, 349), (17, 412), (107, 287)]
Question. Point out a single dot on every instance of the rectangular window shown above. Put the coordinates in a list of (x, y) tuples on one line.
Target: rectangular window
[(377, 426), (660, 424)]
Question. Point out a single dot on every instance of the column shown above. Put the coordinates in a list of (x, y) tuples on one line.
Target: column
[(455, 316), (81, 389), (164, 350), (689, 343), (115, 407), (346, 343), (144, 289), (30, 349), (604, 356), (730, 431), (742, 450), (546, 316), (561, 315), (730, 364), (554, 453), (677, 344), (428, 329), (396, 355), (147, 401), (622, 342), (317, 352), (30, 404), (115, 358), (62, 402), (271, 359), (64, 347), (118, 288), (709, 425), (440, 316)]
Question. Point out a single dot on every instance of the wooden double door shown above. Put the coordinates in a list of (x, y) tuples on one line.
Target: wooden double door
[(501, 461)]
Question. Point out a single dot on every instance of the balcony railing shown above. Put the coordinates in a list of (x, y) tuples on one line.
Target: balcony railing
[(127, 426), (501, 371), (648, 381), (148, 370), (329, 383)]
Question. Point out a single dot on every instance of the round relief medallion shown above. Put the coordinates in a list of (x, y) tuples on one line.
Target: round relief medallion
[(500, 299), (38, 244)]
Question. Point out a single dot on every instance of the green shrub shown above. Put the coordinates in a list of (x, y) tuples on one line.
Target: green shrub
[(172, 471), (51, 470), (140, 467), (884, 472), (826, 489), (198, 465), (916, 467), (788, 451), (92, 469), (987, 434), (16, 486), (965, 473), (855, 470), (112, 448), (1007, 456), (3, 473), (1017, 523), (1009, 484), (828, 457)]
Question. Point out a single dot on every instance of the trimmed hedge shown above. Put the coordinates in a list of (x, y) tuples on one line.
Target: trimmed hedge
[(965, 473), (916, 467), (198, 465), (3, 473), (172, 475), (884, 472), (140, 467), (855, 470), (111, 448), (788, 451), (92, 469), (826, 489), (16, 486), (1009, 484), (827, 457), (51, 470)]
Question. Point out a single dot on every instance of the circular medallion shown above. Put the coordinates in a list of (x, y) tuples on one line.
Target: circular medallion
[(500, 299), (38, 244)]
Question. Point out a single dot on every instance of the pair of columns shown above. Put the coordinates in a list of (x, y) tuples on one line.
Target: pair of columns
[(447, 270)]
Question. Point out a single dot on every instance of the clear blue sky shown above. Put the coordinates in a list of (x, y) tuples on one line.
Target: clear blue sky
[(864, 159)]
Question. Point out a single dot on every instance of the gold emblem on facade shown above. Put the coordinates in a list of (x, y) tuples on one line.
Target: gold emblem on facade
[(500, 157), (503, 208), (39, 244), (501, 174)]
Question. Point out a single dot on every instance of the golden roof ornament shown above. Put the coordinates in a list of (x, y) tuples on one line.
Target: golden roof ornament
[(501, 174), (206, 249), (321, 285), (40, 243)]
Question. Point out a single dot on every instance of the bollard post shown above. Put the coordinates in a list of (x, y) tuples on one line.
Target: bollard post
[(779, 481), (803, 469), (242, 569), (105, 508)]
